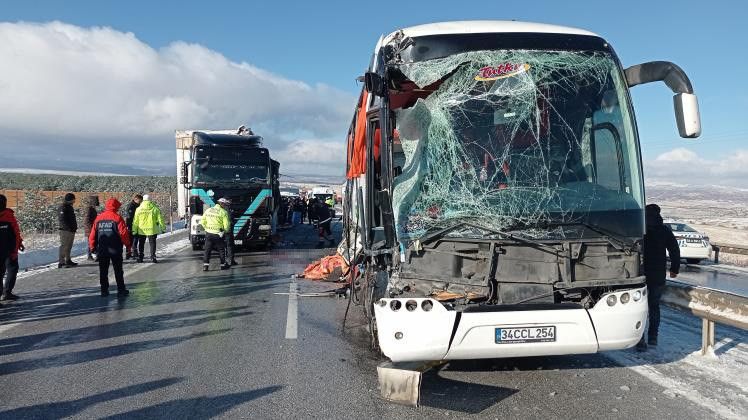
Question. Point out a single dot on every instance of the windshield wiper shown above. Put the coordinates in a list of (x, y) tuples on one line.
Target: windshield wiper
[(535, 244), (621, 240)]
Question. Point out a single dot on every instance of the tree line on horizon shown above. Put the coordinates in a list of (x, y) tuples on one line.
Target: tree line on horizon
[(86, 183)]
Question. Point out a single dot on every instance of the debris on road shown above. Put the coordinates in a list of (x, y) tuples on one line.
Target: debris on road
[(329, 268)]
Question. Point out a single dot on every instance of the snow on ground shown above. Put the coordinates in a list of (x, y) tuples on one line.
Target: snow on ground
[(43, 248), (718, 382), (46, 259)]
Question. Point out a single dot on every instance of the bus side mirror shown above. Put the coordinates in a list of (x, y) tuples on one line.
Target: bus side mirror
[(685, 103), (687, 115), (374, 83)]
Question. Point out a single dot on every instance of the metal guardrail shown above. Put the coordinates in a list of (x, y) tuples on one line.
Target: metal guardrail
[(712, 306), (728, 249)]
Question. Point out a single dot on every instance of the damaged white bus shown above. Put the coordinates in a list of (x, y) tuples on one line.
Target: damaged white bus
[(496, 205)]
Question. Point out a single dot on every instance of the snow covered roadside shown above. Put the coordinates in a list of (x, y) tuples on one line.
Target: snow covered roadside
[(718, 383), (35, 262)]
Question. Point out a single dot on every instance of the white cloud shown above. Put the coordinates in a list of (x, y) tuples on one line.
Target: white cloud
[(686, 167), (64, 87), (678, 155)]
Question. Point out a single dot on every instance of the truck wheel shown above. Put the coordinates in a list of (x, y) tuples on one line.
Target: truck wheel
[(196, 247)]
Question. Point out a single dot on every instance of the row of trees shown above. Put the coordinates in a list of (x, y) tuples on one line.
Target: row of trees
[(91, 183)]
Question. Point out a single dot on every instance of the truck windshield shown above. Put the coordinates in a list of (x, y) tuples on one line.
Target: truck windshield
[(230, 165), (509, 138)]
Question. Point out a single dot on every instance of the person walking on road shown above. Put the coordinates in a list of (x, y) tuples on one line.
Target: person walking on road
[(68, 225), (89, 216), (657, 239), (229, 238), (216, 223), (323, 215), (106, 239), (10, 243), (129, 217), (148, 223)]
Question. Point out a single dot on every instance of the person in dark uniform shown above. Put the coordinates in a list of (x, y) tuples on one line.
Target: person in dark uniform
[(108, 235), (657, 240), (89, 215), (68, 225), (229, 238), (323, 216), (131, 207)]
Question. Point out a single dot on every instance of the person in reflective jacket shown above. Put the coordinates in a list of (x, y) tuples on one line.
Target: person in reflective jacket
[(657, 239), (148, 223), (216, 223), (108, 234)]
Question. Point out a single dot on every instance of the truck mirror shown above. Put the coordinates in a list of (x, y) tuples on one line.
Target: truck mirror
[(184, 171), (183, 180), (374, 83), (687, 115)]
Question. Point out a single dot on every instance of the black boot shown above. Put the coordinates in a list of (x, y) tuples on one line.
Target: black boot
[(205, 267)]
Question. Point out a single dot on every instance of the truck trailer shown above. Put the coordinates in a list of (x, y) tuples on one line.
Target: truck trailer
[(231, 164), (496, 198)]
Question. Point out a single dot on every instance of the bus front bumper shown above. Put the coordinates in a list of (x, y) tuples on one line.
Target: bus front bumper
[(424, 329)]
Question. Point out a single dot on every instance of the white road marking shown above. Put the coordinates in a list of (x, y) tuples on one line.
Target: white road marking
[(293, 312)]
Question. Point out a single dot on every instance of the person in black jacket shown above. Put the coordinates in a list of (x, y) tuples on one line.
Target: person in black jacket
[(68, 225), (88, 218), (131, 207), (657, 239)]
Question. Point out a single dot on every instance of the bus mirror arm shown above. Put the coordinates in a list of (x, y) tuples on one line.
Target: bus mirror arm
[(685, 102)]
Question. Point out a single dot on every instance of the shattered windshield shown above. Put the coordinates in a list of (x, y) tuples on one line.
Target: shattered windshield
[(513, 139), (221, 165)]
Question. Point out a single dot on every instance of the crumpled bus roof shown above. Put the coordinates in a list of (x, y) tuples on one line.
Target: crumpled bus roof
[(483, 26)]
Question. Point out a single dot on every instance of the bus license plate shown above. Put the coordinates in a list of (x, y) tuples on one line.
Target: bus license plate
[(237, 241), (540, 334)]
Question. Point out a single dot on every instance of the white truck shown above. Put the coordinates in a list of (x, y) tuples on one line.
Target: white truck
[(496, 191)]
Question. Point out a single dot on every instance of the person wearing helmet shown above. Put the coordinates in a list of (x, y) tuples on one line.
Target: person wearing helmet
[(216, 223)]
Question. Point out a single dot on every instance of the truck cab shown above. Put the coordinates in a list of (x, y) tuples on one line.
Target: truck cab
[(496, 191), (235, 166)]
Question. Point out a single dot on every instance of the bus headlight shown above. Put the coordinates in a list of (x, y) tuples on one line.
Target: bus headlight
[(637, 296), (612, 299), (625, 298)]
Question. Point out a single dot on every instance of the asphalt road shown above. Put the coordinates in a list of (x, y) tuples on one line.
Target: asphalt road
[(188, 344)]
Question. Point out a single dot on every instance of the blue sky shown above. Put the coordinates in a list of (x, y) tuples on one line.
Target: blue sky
[(330, 43)]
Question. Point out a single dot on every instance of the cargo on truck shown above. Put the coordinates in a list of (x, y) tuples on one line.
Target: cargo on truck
[(495, 199), (212, 164)]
